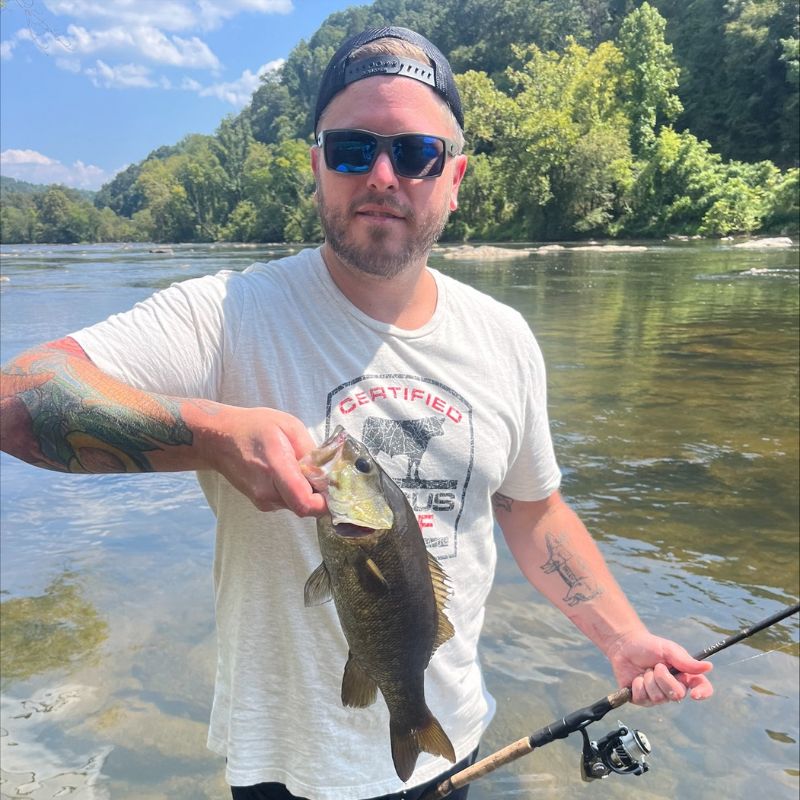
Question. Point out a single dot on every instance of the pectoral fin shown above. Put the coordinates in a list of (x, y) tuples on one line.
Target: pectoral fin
[(358, 689), (318, 587), (370, 576)]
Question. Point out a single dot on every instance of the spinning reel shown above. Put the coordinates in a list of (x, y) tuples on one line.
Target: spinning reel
[(622, 751)]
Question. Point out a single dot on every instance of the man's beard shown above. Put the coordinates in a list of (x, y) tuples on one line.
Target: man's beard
[(374, 258)]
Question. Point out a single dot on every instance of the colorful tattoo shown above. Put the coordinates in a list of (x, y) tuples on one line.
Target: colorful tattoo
[(501, 502), (84, 421), (572, 569)]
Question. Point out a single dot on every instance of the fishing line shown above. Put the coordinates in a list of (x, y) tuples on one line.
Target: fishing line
[(757, 655)]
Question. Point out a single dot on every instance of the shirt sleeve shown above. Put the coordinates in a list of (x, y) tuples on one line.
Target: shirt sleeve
[(533, 473), (172, 343)]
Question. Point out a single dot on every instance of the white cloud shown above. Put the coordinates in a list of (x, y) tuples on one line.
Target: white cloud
[(128, 39), (121, 76), (171, 15), (35, 167), (143, 41), (238, 92), (214, 12), (6, 49), (191, 85), (8, 157)]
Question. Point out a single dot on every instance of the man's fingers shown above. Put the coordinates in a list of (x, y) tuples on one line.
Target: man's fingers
[(653, 688), (291, 485), (700, 687), (639, 694), (297, 493), (671, 688)]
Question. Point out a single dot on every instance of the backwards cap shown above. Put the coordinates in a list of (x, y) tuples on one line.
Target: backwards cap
[(341, 71)]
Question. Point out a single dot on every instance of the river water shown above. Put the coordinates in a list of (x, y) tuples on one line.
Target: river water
[(673, 378)]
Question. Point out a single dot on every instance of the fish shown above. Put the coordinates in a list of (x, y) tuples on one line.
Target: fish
[(390, 594)]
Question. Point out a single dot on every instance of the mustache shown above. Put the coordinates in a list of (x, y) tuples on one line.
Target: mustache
[(383, 201)]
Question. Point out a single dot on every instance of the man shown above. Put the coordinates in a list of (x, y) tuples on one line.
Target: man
[(238, 376)]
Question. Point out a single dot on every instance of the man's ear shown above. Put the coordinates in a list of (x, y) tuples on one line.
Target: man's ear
[(459, 168)]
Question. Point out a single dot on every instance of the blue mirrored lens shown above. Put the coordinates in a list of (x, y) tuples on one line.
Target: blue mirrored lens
[(418, 156), (354, 154)]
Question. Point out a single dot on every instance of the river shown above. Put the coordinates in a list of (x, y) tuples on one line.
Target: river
[(673, 390)]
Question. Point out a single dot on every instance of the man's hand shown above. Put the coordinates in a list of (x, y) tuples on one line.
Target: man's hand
[(258, 450), (643, 662)]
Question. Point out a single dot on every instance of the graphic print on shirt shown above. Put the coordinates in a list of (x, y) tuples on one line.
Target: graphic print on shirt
[(420, 432)]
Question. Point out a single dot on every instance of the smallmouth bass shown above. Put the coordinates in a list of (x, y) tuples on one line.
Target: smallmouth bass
[(389, 591)]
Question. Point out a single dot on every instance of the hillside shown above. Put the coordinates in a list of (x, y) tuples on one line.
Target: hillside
[(583, 118)]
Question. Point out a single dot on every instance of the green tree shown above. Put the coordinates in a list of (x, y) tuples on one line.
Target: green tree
[(64, 218), (206, 186), (242, 224), (231, 144), (168, 216), (687, 188), (649, 75)]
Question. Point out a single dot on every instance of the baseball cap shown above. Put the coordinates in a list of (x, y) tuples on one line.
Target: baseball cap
[(342, 70)]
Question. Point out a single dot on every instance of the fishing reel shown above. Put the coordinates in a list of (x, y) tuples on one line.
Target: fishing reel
[(622, 751)]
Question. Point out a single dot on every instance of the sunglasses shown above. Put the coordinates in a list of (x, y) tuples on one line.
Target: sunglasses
[(413, 155)]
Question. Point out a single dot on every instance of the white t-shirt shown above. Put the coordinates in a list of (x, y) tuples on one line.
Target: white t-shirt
[(454, 411)]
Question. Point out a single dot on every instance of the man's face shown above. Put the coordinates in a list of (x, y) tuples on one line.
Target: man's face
[(381, 223)]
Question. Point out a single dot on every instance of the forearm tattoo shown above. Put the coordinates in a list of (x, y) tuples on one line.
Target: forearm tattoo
[(84, 421), (572, 569)]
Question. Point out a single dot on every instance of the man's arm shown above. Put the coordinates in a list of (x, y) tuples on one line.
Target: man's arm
[(558, 556), (59, 411)]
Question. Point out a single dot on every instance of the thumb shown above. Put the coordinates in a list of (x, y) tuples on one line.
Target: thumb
[(297, 435), (680, 661)]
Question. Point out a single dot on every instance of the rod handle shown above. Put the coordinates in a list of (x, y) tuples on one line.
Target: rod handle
[(480, 768)]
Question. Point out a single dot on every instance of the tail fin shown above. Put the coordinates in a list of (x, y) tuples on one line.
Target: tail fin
[(408, 743)]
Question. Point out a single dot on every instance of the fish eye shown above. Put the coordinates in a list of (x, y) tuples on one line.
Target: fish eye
[(362, 465)]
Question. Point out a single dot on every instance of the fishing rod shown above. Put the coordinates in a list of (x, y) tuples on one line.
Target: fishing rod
[(622, 751)]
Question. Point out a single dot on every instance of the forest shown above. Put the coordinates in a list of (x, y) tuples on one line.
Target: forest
[(583, 118)]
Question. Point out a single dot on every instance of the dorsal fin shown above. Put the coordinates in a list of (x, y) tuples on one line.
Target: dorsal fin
[(441, 593)]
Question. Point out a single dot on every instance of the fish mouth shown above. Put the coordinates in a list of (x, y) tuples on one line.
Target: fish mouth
[(315, 466), (348, 530), (331, 447)]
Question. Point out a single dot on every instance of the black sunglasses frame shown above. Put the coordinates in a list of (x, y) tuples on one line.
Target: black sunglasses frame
[(383, 144)]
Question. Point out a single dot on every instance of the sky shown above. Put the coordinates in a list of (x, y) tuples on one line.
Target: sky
[(88, 87)]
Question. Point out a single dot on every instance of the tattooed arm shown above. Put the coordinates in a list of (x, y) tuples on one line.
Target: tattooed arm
[(59, 411), (559, 557)]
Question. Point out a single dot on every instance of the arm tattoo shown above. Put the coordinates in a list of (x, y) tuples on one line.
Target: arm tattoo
[(501, 502), (572, 569), (84, 421)]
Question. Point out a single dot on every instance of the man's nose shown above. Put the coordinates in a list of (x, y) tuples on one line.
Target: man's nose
[(382, 175)]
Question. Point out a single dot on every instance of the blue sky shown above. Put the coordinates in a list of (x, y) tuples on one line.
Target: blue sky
[(90, 86)]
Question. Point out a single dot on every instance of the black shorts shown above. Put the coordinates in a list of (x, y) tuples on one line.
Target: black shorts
[(277, 791)]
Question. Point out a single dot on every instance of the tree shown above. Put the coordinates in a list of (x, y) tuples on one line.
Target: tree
[(649, 75), (231, 144), (206, 186), (168, 216)]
